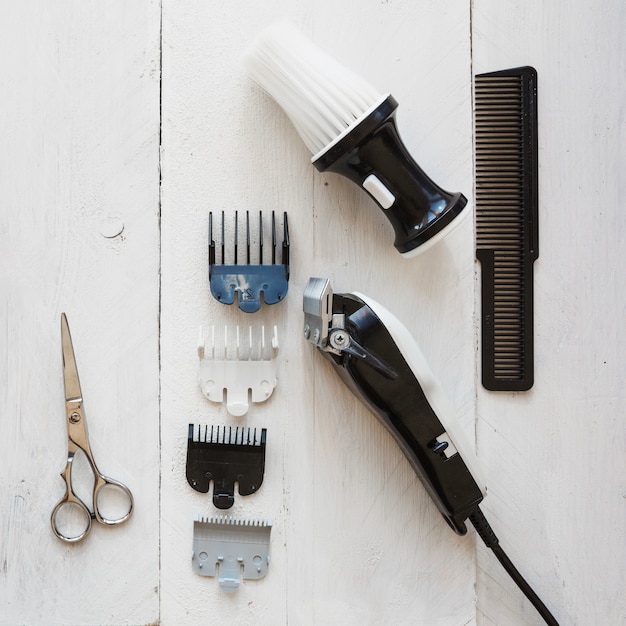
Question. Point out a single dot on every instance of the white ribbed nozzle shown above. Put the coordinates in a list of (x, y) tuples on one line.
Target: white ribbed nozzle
[(321, 97)]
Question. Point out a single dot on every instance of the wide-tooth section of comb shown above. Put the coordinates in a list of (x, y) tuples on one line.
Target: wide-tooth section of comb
[(246, 274), (321, 96), (507, 223)]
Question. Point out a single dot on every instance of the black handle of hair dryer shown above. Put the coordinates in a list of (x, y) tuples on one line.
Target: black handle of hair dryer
[(373, 156)]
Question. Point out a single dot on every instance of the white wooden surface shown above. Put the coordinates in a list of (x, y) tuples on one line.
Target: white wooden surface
[(79, 155), (91, 90), (555, 457)]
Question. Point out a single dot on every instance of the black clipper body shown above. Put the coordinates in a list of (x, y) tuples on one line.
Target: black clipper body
[(377, 358)]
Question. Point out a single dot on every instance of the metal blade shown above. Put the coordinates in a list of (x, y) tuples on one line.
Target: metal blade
[(318, 310), (70, 372)]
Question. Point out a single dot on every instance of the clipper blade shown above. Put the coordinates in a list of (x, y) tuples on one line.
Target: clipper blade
[(231, 549)]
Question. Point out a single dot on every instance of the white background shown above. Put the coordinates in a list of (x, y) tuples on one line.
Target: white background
[(138, 116)]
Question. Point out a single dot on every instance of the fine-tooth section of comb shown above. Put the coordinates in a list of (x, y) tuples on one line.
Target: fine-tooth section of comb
[(247, 277), (225, 456), (506, 223)]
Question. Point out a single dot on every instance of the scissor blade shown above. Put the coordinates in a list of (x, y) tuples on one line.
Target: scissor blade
[(70, 371)]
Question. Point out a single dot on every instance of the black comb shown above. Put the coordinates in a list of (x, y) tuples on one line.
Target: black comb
[(507, 241), (243, 278), (225, 456)]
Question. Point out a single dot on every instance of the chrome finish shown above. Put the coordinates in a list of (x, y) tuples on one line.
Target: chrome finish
[(327, 330), (318, 311)]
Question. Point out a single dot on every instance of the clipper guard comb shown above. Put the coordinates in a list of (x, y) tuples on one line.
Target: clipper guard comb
[(252, 283), (225, 456), (243, 371)]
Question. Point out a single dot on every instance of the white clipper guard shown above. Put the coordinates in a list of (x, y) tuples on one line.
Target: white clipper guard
[(244, 367)]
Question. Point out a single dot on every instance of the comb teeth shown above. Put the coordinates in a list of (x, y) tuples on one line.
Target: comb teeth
[(237, 344), (245, 256), (502, 165), (245, 273), (226, 520), (227, 435), (506, 223)]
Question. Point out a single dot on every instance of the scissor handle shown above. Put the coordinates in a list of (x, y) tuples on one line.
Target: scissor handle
[(70, 499), (103, 482)]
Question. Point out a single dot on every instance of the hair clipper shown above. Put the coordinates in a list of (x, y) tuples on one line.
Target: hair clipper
[(378, 359)]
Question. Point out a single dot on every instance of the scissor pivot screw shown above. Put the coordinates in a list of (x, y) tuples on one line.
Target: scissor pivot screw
[(75, 417)]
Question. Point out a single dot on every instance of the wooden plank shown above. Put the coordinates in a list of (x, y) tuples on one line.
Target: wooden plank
[(355, 538), (555, 456), (79, 233)]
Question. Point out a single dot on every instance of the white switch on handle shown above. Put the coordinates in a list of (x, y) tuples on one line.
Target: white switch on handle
[(373, 185)]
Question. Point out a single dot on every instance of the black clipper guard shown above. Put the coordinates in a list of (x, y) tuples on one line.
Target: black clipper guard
[(225, 456), (373, 156)]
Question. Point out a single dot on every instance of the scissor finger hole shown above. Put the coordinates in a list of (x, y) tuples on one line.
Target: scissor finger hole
[(71, 520), (113, 503)]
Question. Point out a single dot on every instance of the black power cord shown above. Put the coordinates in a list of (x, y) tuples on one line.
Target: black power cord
[(486, 533)]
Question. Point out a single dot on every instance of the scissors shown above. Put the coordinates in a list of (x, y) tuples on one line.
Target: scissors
[(77, 439)]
